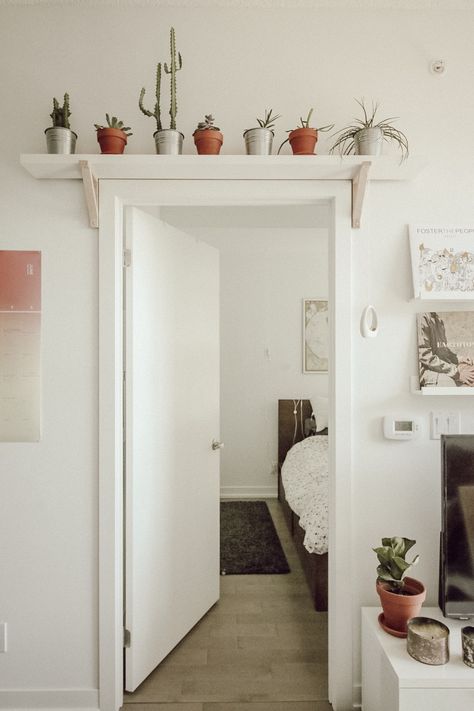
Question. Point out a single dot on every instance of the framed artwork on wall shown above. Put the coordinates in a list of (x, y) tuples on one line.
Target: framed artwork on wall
[(446, 351), (315, 336), (442, 260)]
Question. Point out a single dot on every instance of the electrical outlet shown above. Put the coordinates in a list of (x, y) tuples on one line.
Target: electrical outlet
[(3, 636), (274, 468)]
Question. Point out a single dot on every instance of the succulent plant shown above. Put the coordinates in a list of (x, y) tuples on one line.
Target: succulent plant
[(268, 121), (115, 123), (345, 142), (156, 113), (207, 124), (304, 123), (174, 67), (61, 114)]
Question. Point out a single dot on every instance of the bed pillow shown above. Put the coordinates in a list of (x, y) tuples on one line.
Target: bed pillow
[(320, 407)]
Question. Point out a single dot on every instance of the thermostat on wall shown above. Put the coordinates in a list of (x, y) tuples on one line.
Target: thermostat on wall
[(401, 427)]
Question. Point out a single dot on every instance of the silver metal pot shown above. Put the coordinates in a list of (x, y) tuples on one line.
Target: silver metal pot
[(258, 141), (368, 142), (168, 142), (60, 140)]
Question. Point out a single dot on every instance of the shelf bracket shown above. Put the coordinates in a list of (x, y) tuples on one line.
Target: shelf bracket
[(91, 192), (359, 187)]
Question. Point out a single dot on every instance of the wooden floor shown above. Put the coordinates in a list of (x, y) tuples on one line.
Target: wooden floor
[(262, 647)]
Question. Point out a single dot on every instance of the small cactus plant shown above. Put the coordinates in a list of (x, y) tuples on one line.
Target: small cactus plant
[(61, 114), (174, 67), (156, 113), (207, 124), (115, 123)]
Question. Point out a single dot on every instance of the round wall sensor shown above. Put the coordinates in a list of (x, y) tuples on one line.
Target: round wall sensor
[(438, 66)]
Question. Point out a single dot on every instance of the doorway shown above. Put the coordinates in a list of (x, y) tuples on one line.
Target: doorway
[(115, 195)]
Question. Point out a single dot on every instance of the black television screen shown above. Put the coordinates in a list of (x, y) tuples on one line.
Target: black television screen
[(457, 532)]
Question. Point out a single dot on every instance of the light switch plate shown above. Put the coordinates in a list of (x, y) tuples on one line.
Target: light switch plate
[(3, 636), (444, 423)]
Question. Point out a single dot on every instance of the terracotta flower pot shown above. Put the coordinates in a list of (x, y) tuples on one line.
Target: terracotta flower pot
[(208, 142), (111, 140), (303, 141), (399, 608)]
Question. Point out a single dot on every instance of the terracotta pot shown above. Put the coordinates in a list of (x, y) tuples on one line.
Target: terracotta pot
[(398, 609), (303, 141), (111, 140), (208, 142)]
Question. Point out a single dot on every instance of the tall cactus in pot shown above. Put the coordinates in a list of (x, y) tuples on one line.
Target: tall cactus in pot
[(156, 113), (175, 66)]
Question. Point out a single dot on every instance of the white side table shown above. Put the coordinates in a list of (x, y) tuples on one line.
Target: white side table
[(393, 681)]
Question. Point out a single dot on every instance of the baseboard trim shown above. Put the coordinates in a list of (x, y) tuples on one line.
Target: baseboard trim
[(57, 699), (249, 492)]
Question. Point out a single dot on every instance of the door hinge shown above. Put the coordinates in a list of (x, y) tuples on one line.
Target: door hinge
[(127, 638), (127, 257)]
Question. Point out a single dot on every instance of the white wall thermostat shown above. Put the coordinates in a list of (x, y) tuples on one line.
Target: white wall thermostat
[(402, 428)]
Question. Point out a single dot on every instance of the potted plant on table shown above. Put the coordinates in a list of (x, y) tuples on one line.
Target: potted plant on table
[(168, 141), (366, 137), (401, 597), (59, 137), (304, 137), (208, 138), (113, 137), (259, 140)]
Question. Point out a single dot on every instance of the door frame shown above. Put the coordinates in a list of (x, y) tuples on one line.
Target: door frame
[(115, 196)]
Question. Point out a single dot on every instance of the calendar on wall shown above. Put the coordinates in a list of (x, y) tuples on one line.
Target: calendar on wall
[(20, 346)]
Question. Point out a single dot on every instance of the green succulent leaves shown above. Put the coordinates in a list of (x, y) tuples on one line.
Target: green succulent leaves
[(115, 123), (391, 556)]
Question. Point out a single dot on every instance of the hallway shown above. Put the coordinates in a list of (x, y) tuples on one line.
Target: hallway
[(262, 647)]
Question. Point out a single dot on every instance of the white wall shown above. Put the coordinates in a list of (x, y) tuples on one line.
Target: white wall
[(254, 58), (267, 268)]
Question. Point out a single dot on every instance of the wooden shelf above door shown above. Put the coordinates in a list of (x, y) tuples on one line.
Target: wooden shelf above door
[(95, 167)]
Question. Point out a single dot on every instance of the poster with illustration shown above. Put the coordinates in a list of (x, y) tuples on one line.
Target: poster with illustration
[(20, 339), (442, 261), (315, 336), (446, 349)]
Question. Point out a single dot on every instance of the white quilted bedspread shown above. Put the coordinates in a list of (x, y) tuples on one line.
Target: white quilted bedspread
[(305, 480)]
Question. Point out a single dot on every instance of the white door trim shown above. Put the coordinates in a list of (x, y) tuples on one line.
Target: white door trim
[(114, 196)]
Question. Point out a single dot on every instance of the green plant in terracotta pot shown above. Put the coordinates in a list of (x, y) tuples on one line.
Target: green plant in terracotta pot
[(208, 138), (59, 137), (401, 597), (113, 137), (366, 136), (304, 137)]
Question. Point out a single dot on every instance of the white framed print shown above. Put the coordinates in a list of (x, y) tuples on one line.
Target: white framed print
[(315, 336), (442, 260)]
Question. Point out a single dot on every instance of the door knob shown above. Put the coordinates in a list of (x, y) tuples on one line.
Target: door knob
[(216, 445)]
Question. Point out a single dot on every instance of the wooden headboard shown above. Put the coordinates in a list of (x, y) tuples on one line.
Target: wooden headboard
[(286, 424)]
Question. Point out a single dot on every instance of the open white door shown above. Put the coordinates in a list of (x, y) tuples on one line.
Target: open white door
[(172, 417)]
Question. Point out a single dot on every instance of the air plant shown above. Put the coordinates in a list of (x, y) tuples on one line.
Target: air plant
[(207, 124), (268, 120), (61, 114), (305, 123), (346, 142), (115, 123)]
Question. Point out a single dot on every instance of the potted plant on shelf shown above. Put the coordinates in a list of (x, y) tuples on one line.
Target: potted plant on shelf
[(168, 141), (113, 137), (208, 138), (401, 597), (59, 137), (366, 137), (303, 138), (259, 140)]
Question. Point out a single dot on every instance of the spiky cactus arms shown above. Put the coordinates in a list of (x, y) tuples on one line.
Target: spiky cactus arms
[(156, 114), (60, 114), (174, 67)]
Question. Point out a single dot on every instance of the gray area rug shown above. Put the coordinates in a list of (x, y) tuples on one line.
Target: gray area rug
[(249, 541)]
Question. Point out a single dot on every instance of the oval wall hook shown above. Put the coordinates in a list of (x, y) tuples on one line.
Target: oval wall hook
[(369, 322)]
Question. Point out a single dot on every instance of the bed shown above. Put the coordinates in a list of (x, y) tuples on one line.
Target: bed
[(307, 459)]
